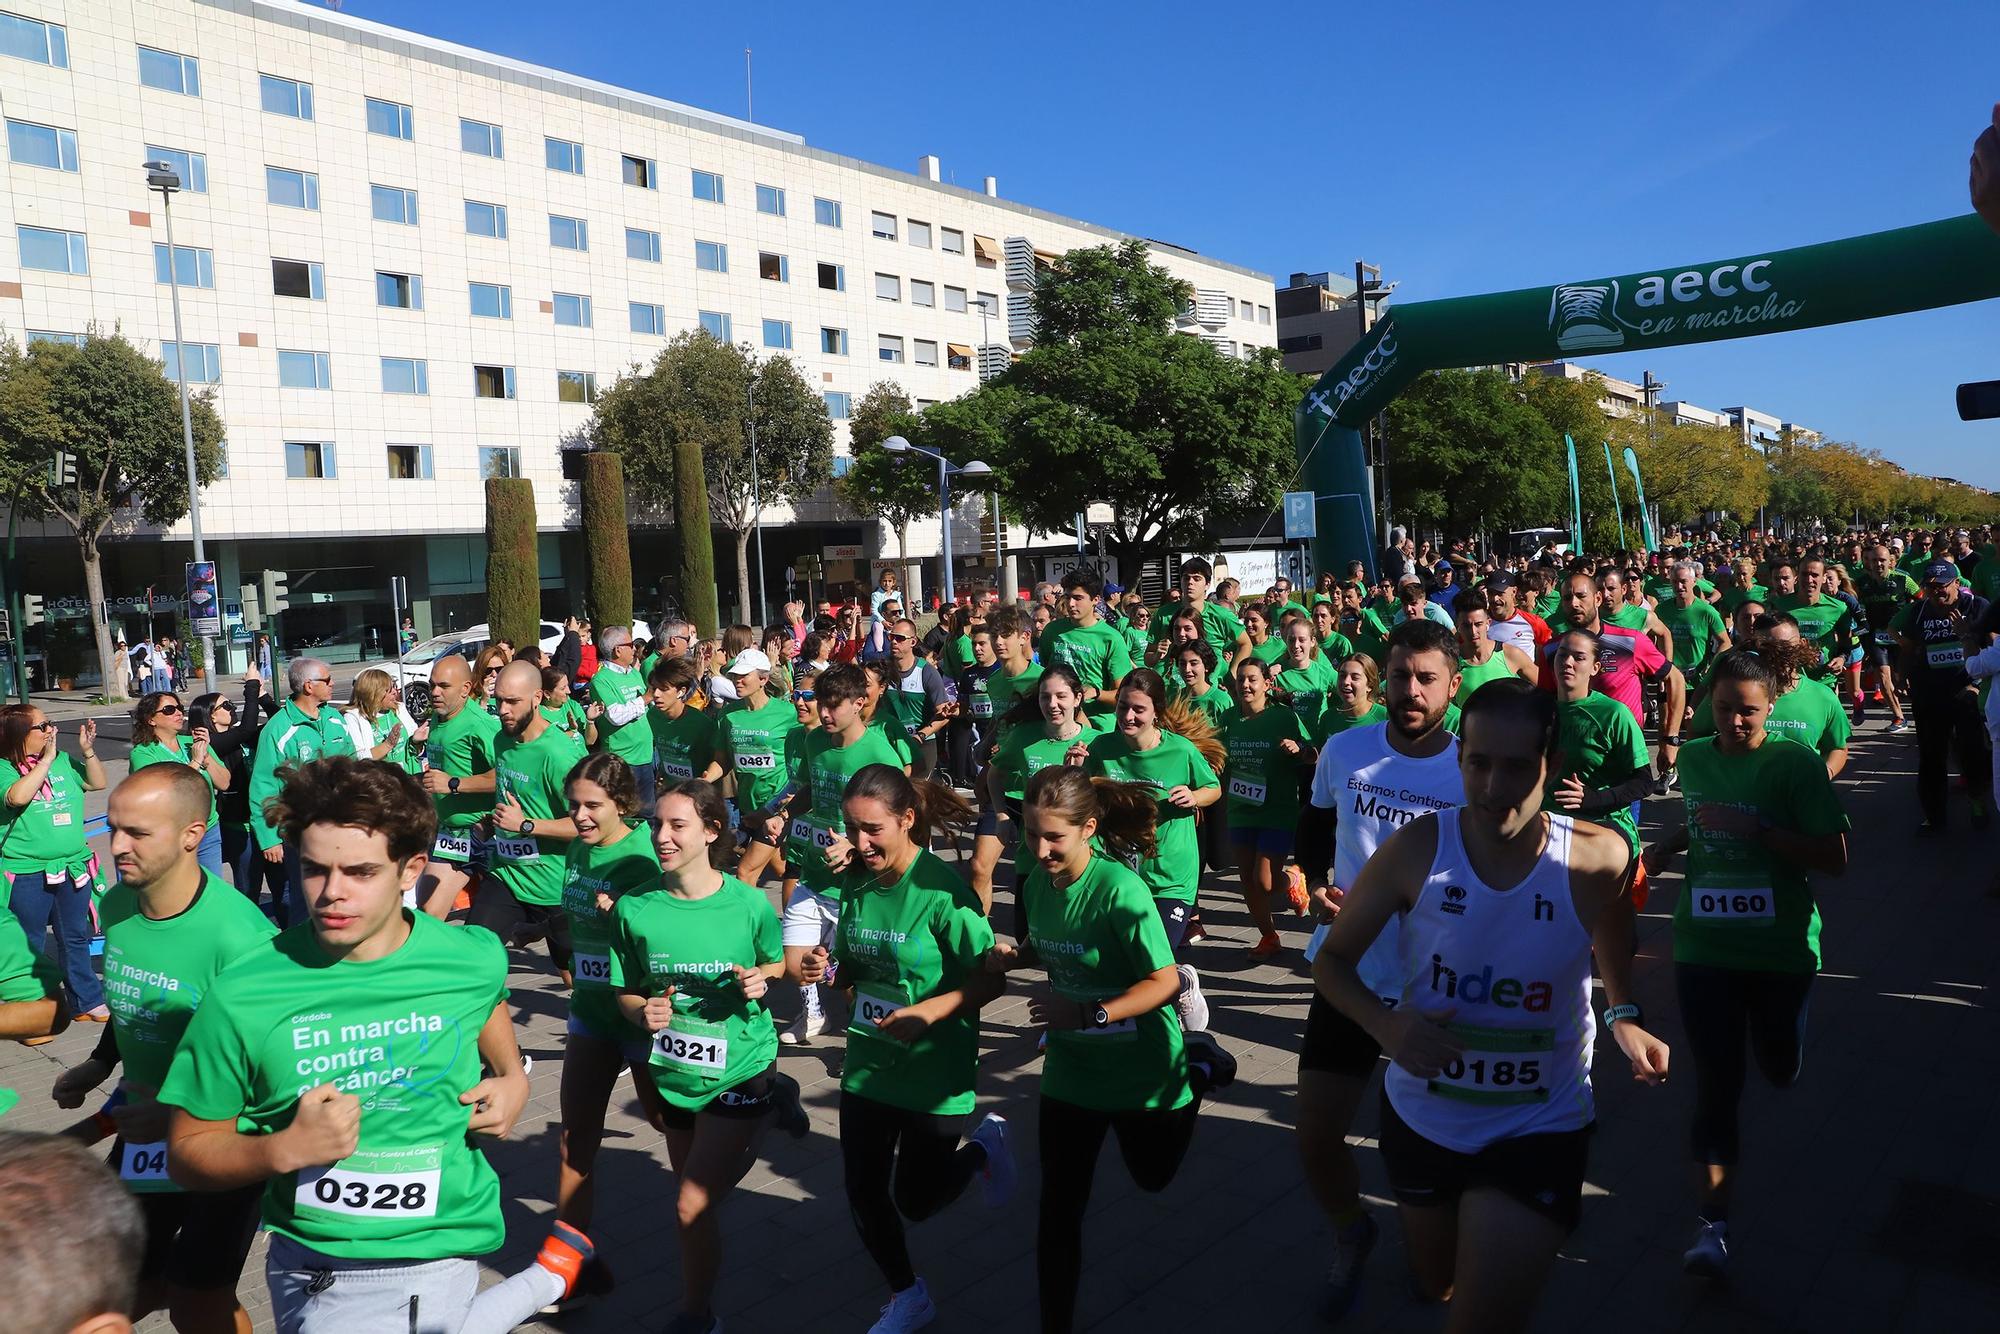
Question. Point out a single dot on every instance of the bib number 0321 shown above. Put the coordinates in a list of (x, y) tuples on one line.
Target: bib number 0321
[(697, 1052), (592, 967), (336, 1190)]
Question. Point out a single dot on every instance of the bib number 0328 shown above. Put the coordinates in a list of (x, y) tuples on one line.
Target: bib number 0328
[(592, 967), (336, 1190)]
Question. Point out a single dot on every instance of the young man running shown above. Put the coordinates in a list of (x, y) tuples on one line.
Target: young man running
[(306, 728), (1481, 658), (1932, 634), (1094, 650), (1698, 634), (169, 928), (1219, 625), (1884, 591), (1014, 678), (458, 773), (341, 1064), (1487, 1107), (1369, 780), (1824, 620), (1627, 655)]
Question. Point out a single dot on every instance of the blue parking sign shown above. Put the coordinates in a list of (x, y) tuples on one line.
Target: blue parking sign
[(1301, 517)]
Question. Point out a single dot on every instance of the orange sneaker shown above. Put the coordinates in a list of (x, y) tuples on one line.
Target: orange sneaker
[(564, 1254), (1295, 891), (1266, 946)]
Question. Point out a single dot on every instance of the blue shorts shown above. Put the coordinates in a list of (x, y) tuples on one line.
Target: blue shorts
[(1272, 842), (989, 824)]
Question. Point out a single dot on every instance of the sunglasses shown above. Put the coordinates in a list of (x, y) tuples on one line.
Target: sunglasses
[(328, 680), (902, 639), (43, 727), (164, 711), (802, 697)]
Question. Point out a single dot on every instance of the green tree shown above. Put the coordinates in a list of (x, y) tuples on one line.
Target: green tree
[(112, 410), (1574, 408), (607, 545), (1465, 451), (513, 561), (880, 484)]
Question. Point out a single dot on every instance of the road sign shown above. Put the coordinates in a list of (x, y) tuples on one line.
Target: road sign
[(1301, 517)]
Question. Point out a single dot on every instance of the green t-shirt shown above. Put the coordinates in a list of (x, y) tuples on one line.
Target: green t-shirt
[(1547, 604), (1005, 691), (1097, 653), (1809, 713), (630, 741), (817, 813), (897, 945), (719, 1037), (1217, 705), (569, 717), (684, 745), (1472, 675), (149, 753), (1261, 783), (886, 725), (400, 1033), (1337, 719), (1601, 746), (1743, 906), (1336, 648), (399, 754), (1882, 598), (1096, 938), (1175, 866), (629, 866), (46, 835), (531, 773), (1828, 625), (1272, 649), (290, 737), (1219, 626), (1697, 630), (1734, 597), (751, 744), (1028, 749), (1310, 688), (461, 746)]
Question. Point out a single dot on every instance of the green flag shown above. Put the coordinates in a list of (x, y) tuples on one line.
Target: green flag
[(1575, 502), (1624, 543), (1645, 517)]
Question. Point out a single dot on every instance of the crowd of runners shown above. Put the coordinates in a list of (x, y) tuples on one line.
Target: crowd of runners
[(1428, 785)]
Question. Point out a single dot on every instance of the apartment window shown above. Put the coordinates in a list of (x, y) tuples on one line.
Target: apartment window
[(954, 298), (563, 155), (405, 375), (477, 137), (34, 145), (888, 347), (493, 382), (642, 244), (192, 168), (389, 118), (499, 460), (568, 233), (54, 251), (648, 318), (707, 185), (392, 203), (572, 310), (985, 251), (404, 291), (838, 405), (888, 287), (168, 72), (32, 39), (951, 240), (771, 200), (576, 386), (409, 463), (305, 370), (1247, 310), (483, 219), (715, 324), (920, 234), (286, 97), (922, 293), (833, 277), (203, 361), (778, 334), (308, 459), (882, 225), (492, 301), (291, 189), (1263, 314), (773, 268), (192, 267), (712, 256), (957, 356), (988, 302), (51, 335), (640, 171), (924, 352), (826, 212), (833, 342), (298, 278)]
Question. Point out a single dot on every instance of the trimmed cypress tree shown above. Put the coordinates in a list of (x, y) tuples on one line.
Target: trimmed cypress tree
[(607, 551), (513, 565), (696, 541)]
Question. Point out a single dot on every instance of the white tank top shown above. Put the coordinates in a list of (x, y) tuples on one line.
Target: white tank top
[(1514, 967)]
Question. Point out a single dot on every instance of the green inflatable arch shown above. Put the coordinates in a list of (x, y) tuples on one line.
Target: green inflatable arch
[(1944, 263)]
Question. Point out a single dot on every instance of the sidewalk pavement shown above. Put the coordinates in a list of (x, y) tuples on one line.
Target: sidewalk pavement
[(1871, 1198)]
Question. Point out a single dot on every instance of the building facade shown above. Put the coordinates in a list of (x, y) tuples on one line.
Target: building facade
[(407, 265)]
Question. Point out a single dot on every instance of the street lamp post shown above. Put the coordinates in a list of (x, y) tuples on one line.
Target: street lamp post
[(757, 511), (896, 444), (162, 177)]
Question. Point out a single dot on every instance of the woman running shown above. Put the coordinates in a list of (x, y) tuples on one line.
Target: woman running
[(1357, 696), (683, 736), (910, 942), (1193, 682), (486, 677), (1305, 681), (157, 723), (1042, 732), (376, 721), (1805, 710), (1118, 1059), (1269, 749), (750, 745), (690, 962), (1264, 646)]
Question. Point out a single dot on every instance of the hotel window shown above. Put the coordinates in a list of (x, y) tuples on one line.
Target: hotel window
[(483, 219), (480, 139), (286, 97), (291, 189), (492, 381), (826, 212), (304, 370), (708, 186), (405, 375), (716, 325), (192, 267), (568, 233), (192, 168), (492, 301), (643, 245), (300, 278), (563, 155), (771, 200), (308, 460), (882, 226), (390, 119), (888, 347), (640, 171), (409, 463), (32, 39), (648, 317), (572, 310), (34, 145), (576, 386), (168, 72), (778, 334), (392, 203), (54, 251)]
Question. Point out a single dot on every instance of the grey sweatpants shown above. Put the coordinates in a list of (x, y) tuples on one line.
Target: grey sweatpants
[(313, 1293)]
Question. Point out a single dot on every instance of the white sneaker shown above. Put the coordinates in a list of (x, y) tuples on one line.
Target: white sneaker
[(1191, 1004), (1709, 1256), (794, 1033), (814, 1024), (998, 1176), (909, 1309)]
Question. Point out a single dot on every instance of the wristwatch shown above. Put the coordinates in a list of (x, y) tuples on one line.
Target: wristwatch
[(451, 785), (1099, 1017), (527, 826), (1627, 1013)]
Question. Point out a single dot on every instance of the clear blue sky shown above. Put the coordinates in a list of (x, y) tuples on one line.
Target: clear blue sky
[(1467, 147)]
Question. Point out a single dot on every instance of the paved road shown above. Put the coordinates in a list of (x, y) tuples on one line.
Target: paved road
[(1872, 1200)]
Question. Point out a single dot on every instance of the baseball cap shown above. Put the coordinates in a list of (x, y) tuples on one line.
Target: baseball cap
[(1499, 581), (1113, 590), (1941, 572), (749, 660)]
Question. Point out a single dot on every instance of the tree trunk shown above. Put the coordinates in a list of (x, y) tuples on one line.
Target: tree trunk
[(108, 661), (743, 574), (903, 564)]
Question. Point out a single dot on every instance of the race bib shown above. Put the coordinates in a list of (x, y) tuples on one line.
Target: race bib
[(1120, 1028), (452, 846), (60, 818), (143, 1164), (1244, 790), (805, 831), (868, 1010), (1745, 904), (673, 769), (517, 849), (1944, 655), (594, 968), (982, 706), (339, 1190), (1885, 638), (1498, 1065), (757, 764), (695, 1052)]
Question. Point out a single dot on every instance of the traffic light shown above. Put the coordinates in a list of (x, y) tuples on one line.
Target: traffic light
[(65, 469), (252, 615), (277, 595), (31, 610)]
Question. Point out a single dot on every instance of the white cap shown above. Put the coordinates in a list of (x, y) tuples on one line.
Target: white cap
[(749, 660)]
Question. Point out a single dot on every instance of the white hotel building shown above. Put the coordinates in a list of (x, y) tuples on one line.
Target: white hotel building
[(407, 265)]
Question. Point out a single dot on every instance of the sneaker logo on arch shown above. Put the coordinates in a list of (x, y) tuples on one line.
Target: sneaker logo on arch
[(1601, 316), (1583, 316), (1454, 900)]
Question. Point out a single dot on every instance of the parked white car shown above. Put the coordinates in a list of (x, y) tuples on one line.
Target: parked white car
[(413, 669)]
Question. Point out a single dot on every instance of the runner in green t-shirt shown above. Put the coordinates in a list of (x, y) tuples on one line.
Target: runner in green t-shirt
[(531, 825), (1605, 770), (1884, 591), (1039, 741), (750, 745), (1805, 711), (1333, 645), (1269, 748), (1825, 622), (1265, 646), (1193, 683), (1741, 588), (911, 941), (881, 718), (682, 736), (157, 724), (692, 961), (1219, 625), (1760, 815), (353, 1064), (458, 742), (1086, 643), (1357, 696), (1699, 636), (618, 706), (1305, 680), (1121, 1053)]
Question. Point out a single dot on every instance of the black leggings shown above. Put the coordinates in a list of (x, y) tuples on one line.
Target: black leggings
[(1720, 1008), (1950, 727), (1153, 1142), (930, 1169)]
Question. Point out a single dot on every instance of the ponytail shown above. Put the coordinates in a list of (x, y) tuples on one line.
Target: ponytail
[(1126, 813), (934, 805)]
